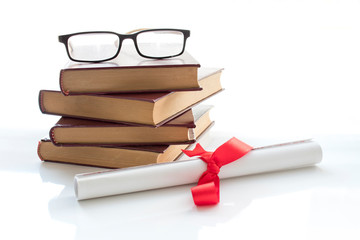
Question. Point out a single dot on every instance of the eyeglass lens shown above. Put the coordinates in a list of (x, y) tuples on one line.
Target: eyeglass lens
[(102, 46), (93, 46), (160, 43)]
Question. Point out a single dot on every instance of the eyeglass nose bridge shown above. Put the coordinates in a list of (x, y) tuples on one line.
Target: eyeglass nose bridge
[(123, 37), (129, 35)]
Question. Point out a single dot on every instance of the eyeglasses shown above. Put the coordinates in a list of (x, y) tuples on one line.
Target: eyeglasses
[(102, 46)]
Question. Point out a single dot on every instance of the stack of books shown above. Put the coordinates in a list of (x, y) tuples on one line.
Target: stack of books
[(128, 112)]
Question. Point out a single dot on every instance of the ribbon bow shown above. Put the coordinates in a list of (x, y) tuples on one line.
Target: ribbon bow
[(207, 190)]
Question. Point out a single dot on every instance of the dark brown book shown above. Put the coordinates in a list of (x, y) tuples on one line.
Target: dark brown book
[(153, 109), (180, 130), (117, 157), (130, 72)]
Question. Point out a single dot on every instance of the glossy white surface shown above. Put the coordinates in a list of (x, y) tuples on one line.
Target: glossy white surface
[(320, 202), (291, 68)]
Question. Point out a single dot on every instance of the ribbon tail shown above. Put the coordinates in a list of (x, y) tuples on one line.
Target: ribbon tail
[(206, 194), (230, 151), (198, 150)]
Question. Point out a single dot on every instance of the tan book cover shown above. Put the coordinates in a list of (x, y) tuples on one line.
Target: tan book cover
[(180, 130), (152, 109), (130, 72), (118, 157)]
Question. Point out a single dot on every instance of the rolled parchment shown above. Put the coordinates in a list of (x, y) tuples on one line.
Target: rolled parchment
[(259, 160)]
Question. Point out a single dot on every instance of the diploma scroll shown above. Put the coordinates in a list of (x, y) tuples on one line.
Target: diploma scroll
[(259, 160)]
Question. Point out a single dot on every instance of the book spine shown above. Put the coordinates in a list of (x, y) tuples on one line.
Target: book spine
[(38, 152), (52, 136), (61, 83), (41, 102)]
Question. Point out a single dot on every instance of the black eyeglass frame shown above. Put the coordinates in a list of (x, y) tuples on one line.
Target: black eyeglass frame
[(65, 38)]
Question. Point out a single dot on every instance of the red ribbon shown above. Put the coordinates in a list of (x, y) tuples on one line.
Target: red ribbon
[(207, 190)]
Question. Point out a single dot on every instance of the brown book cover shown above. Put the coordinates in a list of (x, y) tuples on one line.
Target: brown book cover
[(130, 72), (119, 156), (154, 109), (180, 130)]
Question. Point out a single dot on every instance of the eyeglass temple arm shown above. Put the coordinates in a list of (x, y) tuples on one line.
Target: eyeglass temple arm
[(137, 30)]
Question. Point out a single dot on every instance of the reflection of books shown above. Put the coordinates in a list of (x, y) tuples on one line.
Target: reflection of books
[(180, 130), (117, 157), (129, 72), (142, 108)]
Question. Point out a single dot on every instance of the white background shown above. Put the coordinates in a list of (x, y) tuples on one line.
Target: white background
[(291, 68)]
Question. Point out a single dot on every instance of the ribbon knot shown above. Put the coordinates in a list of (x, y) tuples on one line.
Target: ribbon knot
[(207, 190), (213, 168)]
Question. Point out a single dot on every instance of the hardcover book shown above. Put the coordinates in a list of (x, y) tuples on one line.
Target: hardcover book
[(130, 72), (153, 109), (180, 130), (117, 157)]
